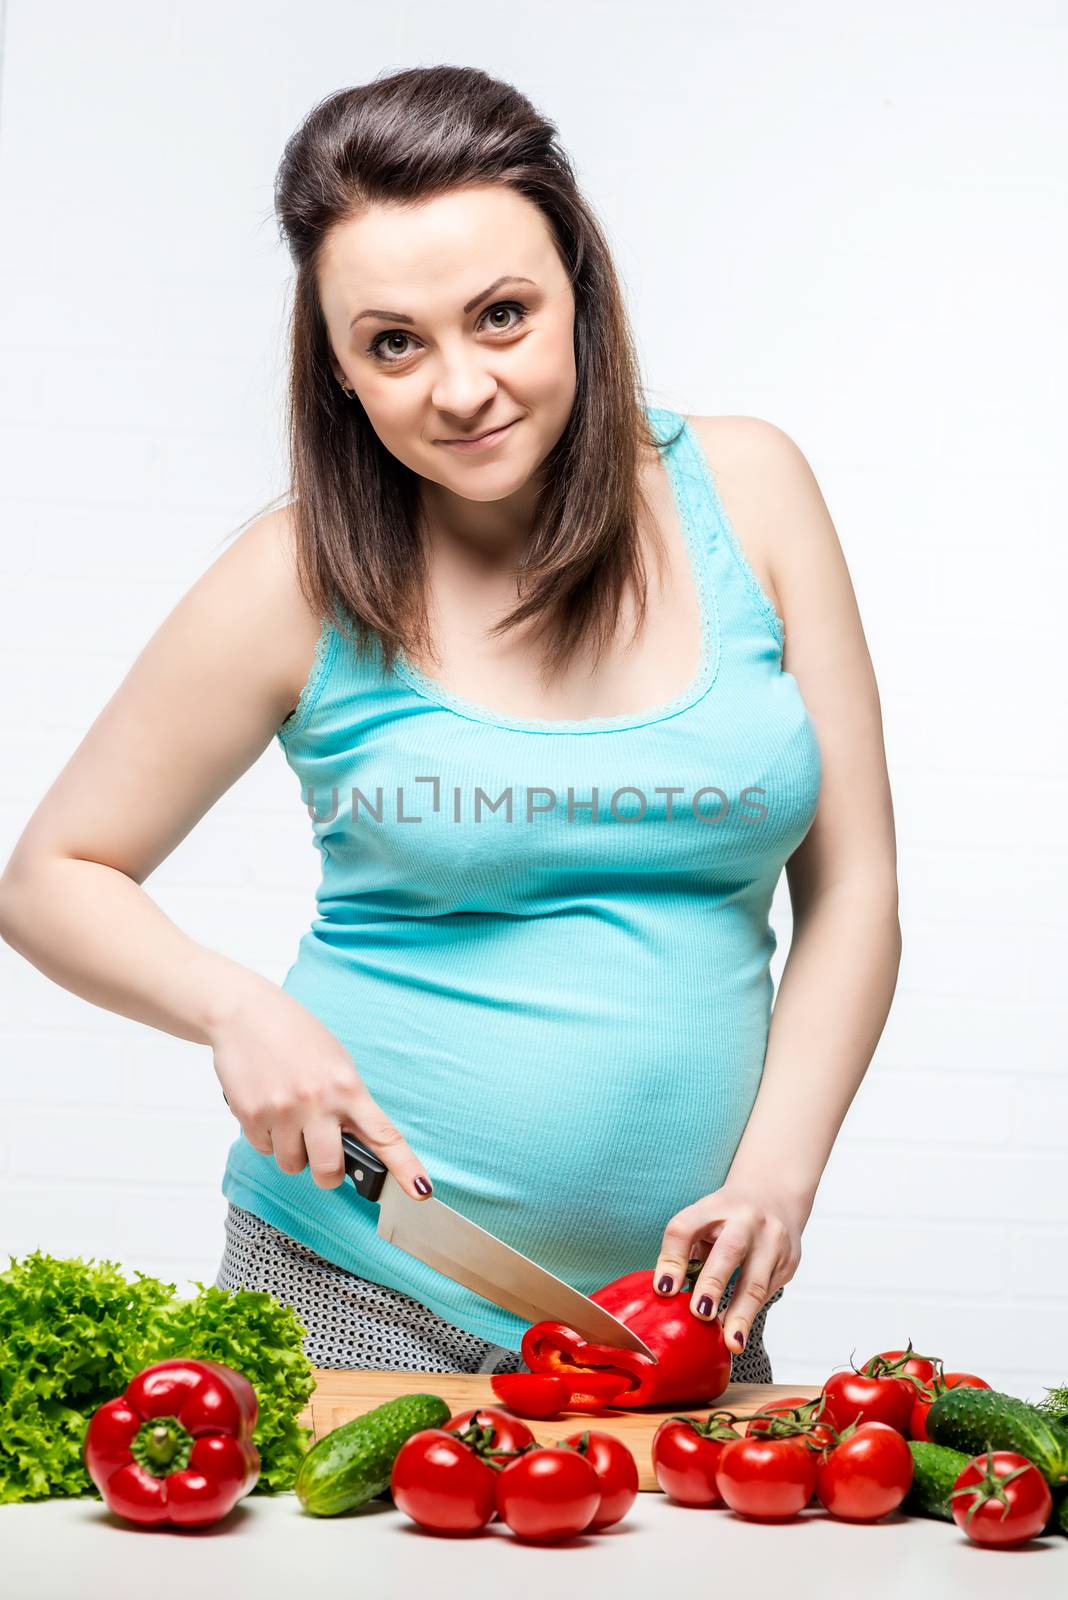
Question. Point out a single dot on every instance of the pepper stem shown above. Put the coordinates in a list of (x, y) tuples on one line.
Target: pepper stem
[(162, 1446)]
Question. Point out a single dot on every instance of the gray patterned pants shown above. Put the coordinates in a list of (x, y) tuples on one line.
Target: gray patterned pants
[(352, 1322)]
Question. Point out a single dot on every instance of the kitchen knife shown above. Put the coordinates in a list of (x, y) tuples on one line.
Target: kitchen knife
[(454, 1245)]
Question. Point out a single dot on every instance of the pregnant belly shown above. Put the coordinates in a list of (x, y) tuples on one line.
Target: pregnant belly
[(574, 1129)]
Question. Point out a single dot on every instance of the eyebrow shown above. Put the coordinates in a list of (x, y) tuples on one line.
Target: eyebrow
[(399, 316)]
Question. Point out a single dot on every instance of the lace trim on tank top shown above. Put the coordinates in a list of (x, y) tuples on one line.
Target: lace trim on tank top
[(324, 652), (759, 594), (700, 561)]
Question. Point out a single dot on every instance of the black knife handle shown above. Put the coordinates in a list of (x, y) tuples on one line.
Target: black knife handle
[(365, 1169)]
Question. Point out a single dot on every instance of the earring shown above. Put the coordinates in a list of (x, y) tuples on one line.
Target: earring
[(351, 393)]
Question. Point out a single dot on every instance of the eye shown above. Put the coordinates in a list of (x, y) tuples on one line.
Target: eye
[(374, 348)]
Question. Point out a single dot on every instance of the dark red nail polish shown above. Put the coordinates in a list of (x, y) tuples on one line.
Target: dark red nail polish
[(704, 1306), (665, 1283), (423, 1184)]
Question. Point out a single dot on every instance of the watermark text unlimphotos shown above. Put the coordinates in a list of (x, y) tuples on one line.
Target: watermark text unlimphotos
[(530, 802)]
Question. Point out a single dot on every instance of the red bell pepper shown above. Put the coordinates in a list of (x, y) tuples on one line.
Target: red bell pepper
[(545, 1394), (176, 1446), (692, 1363)]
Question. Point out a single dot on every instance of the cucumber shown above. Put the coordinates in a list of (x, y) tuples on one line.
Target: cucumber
[(352, 1464), (971, 1419), (935, 1469), (1054, 1522)]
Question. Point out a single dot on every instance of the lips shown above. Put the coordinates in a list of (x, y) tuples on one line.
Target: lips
[(464, 438), (474, 438)]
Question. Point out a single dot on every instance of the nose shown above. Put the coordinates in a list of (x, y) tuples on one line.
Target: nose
[(463, 386)]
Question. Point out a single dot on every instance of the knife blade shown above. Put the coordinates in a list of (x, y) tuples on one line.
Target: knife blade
[(443, 1238)]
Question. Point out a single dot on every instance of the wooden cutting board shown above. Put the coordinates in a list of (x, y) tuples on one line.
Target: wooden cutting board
[(341, 1394)]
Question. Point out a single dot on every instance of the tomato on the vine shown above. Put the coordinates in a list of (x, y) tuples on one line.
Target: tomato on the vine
[(616, 1469), (442, 1483), (795, 1408), (1001, 1499), (686, 1452), (866, 1474), (857, 1397), (548, 1494), (913, 1373), (509, 1433), (769, 1480), (922, 1367), (496, 1434)]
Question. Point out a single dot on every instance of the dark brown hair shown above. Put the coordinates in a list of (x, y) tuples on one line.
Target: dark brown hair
[(357, 510)]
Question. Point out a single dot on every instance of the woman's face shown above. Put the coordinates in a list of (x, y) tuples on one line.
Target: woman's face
[(450, 318)]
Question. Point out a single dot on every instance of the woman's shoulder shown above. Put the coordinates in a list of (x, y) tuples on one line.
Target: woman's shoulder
[(773, 499), (268, 562), (748, 459), (748, 451)]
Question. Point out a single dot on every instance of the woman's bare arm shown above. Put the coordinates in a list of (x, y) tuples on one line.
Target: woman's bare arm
[(199, 705), (838, 981), (196, 710)]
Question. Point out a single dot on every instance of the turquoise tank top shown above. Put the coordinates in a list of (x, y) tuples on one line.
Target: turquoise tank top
[(546, 944)]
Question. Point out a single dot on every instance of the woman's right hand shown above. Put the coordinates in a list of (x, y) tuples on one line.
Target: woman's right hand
[(293, 1087)]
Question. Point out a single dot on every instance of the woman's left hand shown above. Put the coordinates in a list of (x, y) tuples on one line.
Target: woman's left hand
[(758, 1230)]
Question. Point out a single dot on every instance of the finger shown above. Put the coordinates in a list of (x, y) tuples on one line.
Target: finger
[(287, 1142), (756, 1285), (259, 1139), (374, 1127), (322, 1139), (732, 1246), (670, 1270)]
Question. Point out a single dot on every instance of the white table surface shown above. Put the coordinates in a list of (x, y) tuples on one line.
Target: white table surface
[(75, 1549)]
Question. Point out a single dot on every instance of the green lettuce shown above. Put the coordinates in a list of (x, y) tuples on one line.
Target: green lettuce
[(72, 1335)]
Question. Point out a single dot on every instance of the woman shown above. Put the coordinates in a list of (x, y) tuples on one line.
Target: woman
[(552, 800)]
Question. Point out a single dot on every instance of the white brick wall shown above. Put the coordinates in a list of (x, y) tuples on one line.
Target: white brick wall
[(875, 264)]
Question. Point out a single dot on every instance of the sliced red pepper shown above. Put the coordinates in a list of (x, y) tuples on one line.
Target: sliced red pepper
[(690, 1365), (544, 1394), (596, 1391), (176, 1446), (531, 1394), (555, 1348)]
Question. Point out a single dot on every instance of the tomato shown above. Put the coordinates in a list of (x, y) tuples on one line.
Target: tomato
[(916, 1374), (686, 1454), (1001, 1499), (508, 1432), (769, 1480), (966, 1380), (490, 1430), (950, 1380), (773, 1408), (531, 1394), (795, 1407), (442, 1484), (855, 1397), (867, 1474), (617, 1473), (548, 1495), (921, 1366)]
